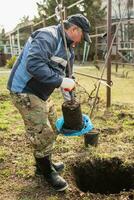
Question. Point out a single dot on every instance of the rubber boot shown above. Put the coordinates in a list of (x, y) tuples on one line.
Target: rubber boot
[(57, 166), (50, 174)]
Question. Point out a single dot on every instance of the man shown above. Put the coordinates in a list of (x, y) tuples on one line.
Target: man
[(40, 68)]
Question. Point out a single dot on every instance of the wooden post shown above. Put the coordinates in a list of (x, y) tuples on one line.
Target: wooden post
[(44, 21), (109, 39), (65, 13), (32, 28), (96, 45)]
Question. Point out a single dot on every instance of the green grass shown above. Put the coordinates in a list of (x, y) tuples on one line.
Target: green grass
[(122, 89)]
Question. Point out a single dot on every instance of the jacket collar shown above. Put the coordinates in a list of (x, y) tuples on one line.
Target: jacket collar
[(69, 41)]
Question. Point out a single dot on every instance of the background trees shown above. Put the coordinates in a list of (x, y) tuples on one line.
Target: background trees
[(92, 9)]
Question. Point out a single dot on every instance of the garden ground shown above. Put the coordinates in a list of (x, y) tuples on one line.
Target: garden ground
[(105, 172)]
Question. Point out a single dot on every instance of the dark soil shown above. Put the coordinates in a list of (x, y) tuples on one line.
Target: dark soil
[(72, 115), (104, 176)]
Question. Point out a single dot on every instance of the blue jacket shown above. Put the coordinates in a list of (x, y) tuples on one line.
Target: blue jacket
[(42, 63)]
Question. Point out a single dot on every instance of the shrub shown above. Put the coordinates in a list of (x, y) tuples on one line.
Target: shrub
[(10, 62)]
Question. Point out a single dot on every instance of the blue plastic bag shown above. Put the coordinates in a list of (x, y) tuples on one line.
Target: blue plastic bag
[(87, 127)]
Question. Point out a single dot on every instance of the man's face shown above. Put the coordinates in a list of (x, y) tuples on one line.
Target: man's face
[(76, 34)]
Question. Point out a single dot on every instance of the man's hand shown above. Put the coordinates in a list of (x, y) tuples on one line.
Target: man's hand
[(68, 84)]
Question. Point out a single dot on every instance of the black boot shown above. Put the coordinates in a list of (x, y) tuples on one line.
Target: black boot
[(50, 174), (57, 166)]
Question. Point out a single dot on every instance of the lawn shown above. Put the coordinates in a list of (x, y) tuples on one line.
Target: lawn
[(105, 172), (122, 89)]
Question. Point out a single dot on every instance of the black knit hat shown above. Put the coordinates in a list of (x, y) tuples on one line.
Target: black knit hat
[(82, 22)]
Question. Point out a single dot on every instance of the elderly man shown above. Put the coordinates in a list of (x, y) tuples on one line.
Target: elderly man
[(40, 68)]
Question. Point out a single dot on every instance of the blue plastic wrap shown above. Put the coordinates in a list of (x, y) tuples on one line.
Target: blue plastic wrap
[(87, 127)]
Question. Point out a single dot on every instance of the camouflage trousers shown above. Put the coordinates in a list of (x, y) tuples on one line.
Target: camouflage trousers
[(39, 118)]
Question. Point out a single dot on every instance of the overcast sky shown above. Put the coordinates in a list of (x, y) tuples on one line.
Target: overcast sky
[(11, 11)]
